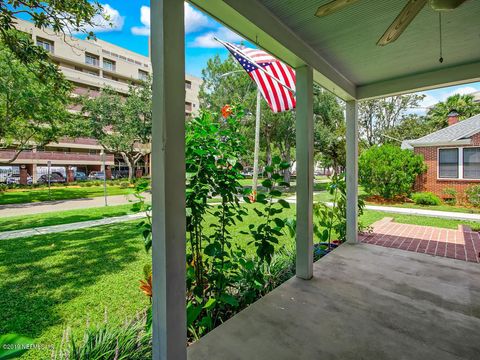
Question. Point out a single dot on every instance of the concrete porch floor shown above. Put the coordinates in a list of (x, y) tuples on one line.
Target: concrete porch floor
[(364, 302)]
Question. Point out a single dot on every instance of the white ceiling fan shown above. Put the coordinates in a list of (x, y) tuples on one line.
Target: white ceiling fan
[(401, 22)]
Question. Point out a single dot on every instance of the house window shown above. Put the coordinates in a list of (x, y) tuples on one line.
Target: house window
[(188, 84), (109, 64), (142, 75), (448, 163), (91, 59), (48, 45), (471, 163)]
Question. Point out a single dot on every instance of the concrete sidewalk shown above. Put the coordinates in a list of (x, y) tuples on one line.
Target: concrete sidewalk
[(63, 205), (6, 235)]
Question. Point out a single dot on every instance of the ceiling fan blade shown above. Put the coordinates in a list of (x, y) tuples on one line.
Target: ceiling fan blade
[(445, 5), (332, 7), (402, 21)]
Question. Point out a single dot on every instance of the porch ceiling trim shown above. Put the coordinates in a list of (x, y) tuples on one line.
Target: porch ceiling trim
[(255, 22), (449, 76)]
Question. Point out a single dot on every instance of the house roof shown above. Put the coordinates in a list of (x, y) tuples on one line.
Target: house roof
[(463, 130)]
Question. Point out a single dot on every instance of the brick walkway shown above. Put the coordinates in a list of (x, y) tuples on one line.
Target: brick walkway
[(461, 244)]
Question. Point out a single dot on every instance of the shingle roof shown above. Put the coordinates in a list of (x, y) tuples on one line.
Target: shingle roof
[(462, 130)]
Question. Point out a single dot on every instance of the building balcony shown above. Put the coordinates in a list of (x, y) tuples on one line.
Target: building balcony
[(56, 157)]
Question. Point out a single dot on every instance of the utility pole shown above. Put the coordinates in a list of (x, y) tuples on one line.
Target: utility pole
[(257, 145)]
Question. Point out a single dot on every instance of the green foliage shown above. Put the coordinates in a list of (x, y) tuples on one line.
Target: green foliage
[(3, 188), (463, 104), (450, 195), (142, 186), (410, 127), (332, 220), (265, 235), (121, 125), (13, 346), (426, 198), (104, 342), (329, 135), (378, 116), (473, 195), (389, 171), (33, 111)]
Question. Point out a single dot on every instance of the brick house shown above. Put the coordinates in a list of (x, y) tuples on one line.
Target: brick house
[(452, 156)]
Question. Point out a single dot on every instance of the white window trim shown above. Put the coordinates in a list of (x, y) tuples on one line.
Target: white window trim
[(460, 163)]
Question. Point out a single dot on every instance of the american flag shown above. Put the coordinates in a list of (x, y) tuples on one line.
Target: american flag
[(271, 81)]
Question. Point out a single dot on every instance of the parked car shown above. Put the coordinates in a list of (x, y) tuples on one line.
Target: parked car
[(80, 176), (55, 177), (96, 175), (15, 179)]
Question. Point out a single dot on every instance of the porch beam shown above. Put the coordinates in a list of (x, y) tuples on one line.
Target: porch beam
[(168, 180), (304, 153), (448, 76), (352, 171)]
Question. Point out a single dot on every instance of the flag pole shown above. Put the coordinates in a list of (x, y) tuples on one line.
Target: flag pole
[(257, 145), (238, 51)]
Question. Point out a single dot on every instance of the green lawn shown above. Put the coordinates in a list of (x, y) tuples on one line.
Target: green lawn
[(48, 282), (62, 217), (58, 193)]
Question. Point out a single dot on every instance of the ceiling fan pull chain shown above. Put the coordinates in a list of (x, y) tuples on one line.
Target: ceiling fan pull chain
[(441, 45)]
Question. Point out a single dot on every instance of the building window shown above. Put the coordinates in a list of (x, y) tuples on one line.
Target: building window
[(142, 75), (48, 45), (188, 84), (448, 163), (471, 163), (109, 64), (91, 59)]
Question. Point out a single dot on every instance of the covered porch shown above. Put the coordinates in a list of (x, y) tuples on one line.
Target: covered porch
[(361, 301)]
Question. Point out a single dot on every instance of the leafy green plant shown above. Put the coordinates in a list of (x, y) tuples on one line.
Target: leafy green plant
[(389, 171), (140, 204), (331, 220), (450, 195), (426, 198), (473, 195), (265, 235), (104, 342)]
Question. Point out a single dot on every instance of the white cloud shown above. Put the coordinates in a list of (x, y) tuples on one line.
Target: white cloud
[(207, 40), (145, 20), (113, 22), (462, 91), (194, 21)]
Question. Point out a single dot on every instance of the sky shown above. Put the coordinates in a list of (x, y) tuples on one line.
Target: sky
[(131, 28)]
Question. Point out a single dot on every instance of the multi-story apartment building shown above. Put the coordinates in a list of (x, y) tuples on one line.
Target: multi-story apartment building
[(90, 65)]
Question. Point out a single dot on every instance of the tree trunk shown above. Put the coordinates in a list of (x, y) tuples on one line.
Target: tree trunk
[(130, 164)]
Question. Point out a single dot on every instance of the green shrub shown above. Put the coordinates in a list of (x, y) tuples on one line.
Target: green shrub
[(426, 198), (124, 185), (389, 171), (3, 188), (450, 195), (129, 341), (473, 195)]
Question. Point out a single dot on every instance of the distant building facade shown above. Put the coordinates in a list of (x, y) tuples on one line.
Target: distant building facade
[(452, 156), (90, 66)]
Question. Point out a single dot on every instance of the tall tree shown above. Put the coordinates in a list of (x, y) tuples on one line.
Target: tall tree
[(463, 104), (378, 116), (329, 132), (33, 112), (64, 17), (122, 125), (410, 127)]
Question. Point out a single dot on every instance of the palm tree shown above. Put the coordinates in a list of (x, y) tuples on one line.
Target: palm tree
[(463, 104)]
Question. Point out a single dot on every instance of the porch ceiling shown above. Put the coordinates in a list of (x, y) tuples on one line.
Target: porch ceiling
[(342, 46), (364, 302)]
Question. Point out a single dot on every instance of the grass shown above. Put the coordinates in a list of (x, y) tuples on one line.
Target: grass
[(48, 282), (62, 217), (22, 196)]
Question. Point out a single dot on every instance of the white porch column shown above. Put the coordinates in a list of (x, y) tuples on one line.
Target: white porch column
[(304, 151), (352, 171), (168, 180)]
